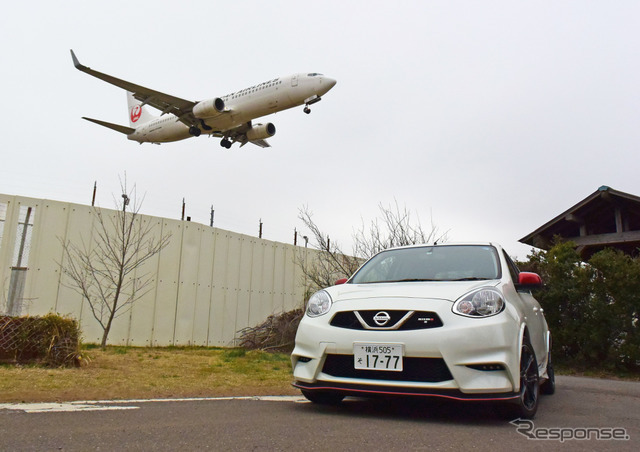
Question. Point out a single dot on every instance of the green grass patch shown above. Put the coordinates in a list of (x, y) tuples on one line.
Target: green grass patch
[(137, 372), (231, 354)]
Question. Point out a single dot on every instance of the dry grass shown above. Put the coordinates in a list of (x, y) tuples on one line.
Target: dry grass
[(130, 372)]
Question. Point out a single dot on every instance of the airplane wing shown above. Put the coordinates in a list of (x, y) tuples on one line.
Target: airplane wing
[(239, 137), (261, 143), (239, 134), (164, 102)]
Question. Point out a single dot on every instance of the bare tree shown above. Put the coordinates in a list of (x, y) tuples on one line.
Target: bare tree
[(324, 265), (394, 227), (104, 271)]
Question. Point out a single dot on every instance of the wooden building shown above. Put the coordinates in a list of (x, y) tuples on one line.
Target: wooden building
[(606, 218)]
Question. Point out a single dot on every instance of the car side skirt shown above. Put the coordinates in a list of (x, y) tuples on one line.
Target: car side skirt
[(373, 390)]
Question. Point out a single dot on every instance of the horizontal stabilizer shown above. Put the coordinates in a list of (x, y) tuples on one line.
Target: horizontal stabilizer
[(116, 127)]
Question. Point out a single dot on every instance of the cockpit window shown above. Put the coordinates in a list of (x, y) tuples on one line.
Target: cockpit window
[(314, 74)]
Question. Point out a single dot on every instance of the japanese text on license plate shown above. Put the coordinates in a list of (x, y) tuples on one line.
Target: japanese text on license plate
[(378, 356)]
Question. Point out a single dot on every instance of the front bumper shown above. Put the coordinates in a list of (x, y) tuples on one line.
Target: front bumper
[(356, 390), (480, 356)]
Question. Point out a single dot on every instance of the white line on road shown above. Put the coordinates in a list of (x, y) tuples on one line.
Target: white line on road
[(60, 407), (101, 405)]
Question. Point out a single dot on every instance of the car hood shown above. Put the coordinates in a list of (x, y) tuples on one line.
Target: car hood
[(444, 290)]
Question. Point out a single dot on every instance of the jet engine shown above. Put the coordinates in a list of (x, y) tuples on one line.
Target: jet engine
[(208, 108), (261, 131)]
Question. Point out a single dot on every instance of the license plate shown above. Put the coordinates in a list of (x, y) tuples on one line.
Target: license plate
[(378, 356)]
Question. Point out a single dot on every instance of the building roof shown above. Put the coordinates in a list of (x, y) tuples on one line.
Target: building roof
[(606, 218)]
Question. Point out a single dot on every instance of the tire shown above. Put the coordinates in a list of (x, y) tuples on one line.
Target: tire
[(527, 403), (323, 398)]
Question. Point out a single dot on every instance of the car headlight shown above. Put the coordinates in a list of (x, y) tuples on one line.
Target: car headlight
[(319, 304), (479, 303)]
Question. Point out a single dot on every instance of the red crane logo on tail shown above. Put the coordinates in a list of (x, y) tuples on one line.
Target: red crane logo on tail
[(136, 112)]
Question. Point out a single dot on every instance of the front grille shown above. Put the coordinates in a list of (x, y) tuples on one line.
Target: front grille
[(486, 367), (419, 320), (428, 370)]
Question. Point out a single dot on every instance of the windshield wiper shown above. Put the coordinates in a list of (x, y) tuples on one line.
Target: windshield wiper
[(411, 280), (473, 278)]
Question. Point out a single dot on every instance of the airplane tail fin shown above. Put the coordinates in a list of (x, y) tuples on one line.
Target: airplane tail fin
[(138, 114)]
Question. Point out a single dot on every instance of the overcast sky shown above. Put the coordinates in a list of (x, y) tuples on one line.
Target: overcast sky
[(488, 118)]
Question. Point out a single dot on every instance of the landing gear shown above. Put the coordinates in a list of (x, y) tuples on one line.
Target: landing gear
[(193, 130), (310, 101), (205, 126), (225, 143)]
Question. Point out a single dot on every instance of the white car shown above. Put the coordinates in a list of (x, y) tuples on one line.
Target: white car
[(456, 321)]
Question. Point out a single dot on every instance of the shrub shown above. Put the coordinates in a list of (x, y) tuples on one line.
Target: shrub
[(277, 333), (51, 339), (592, 308)]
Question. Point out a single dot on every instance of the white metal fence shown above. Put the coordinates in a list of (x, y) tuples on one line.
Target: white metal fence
[(209, 283)]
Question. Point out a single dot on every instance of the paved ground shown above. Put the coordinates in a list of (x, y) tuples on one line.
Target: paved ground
[(608, 408)]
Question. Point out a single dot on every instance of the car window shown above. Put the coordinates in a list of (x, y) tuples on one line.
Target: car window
[(431, 263), (513, 268)]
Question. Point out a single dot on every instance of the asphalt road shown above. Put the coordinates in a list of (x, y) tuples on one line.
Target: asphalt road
[(608, 408)]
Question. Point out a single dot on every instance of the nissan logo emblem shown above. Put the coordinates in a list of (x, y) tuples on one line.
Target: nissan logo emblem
[(381, 318)]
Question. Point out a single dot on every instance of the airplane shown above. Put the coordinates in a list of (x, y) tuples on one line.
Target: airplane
[(228, 117)]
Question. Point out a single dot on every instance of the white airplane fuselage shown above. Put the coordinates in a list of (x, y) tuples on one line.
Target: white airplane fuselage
[(229, 117), (243, 106)]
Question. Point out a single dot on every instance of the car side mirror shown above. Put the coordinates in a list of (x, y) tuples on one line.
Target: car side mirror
[(341, 281), (528, 281)]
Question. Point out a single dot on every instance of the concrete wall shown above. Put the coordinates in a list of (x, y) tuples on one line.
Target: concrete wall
[(209, 283)]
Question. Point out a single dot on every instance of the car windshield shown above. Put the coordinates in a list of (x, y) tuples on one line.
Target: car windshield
[(431, 263)]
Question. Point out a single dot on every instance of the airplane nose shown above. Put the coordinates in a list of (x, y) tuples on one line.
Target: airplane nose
[(326, 84)]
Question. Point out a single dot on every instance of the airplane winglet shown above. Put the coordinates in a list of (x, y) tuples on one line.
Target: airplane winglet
[(76, 63)]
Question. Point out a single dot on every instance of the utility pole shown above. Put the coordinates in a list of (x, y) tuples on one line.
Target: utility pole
[(93, 198), (183, 206), (260, 229), (23, 239), (212, 212), (306, 242)]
